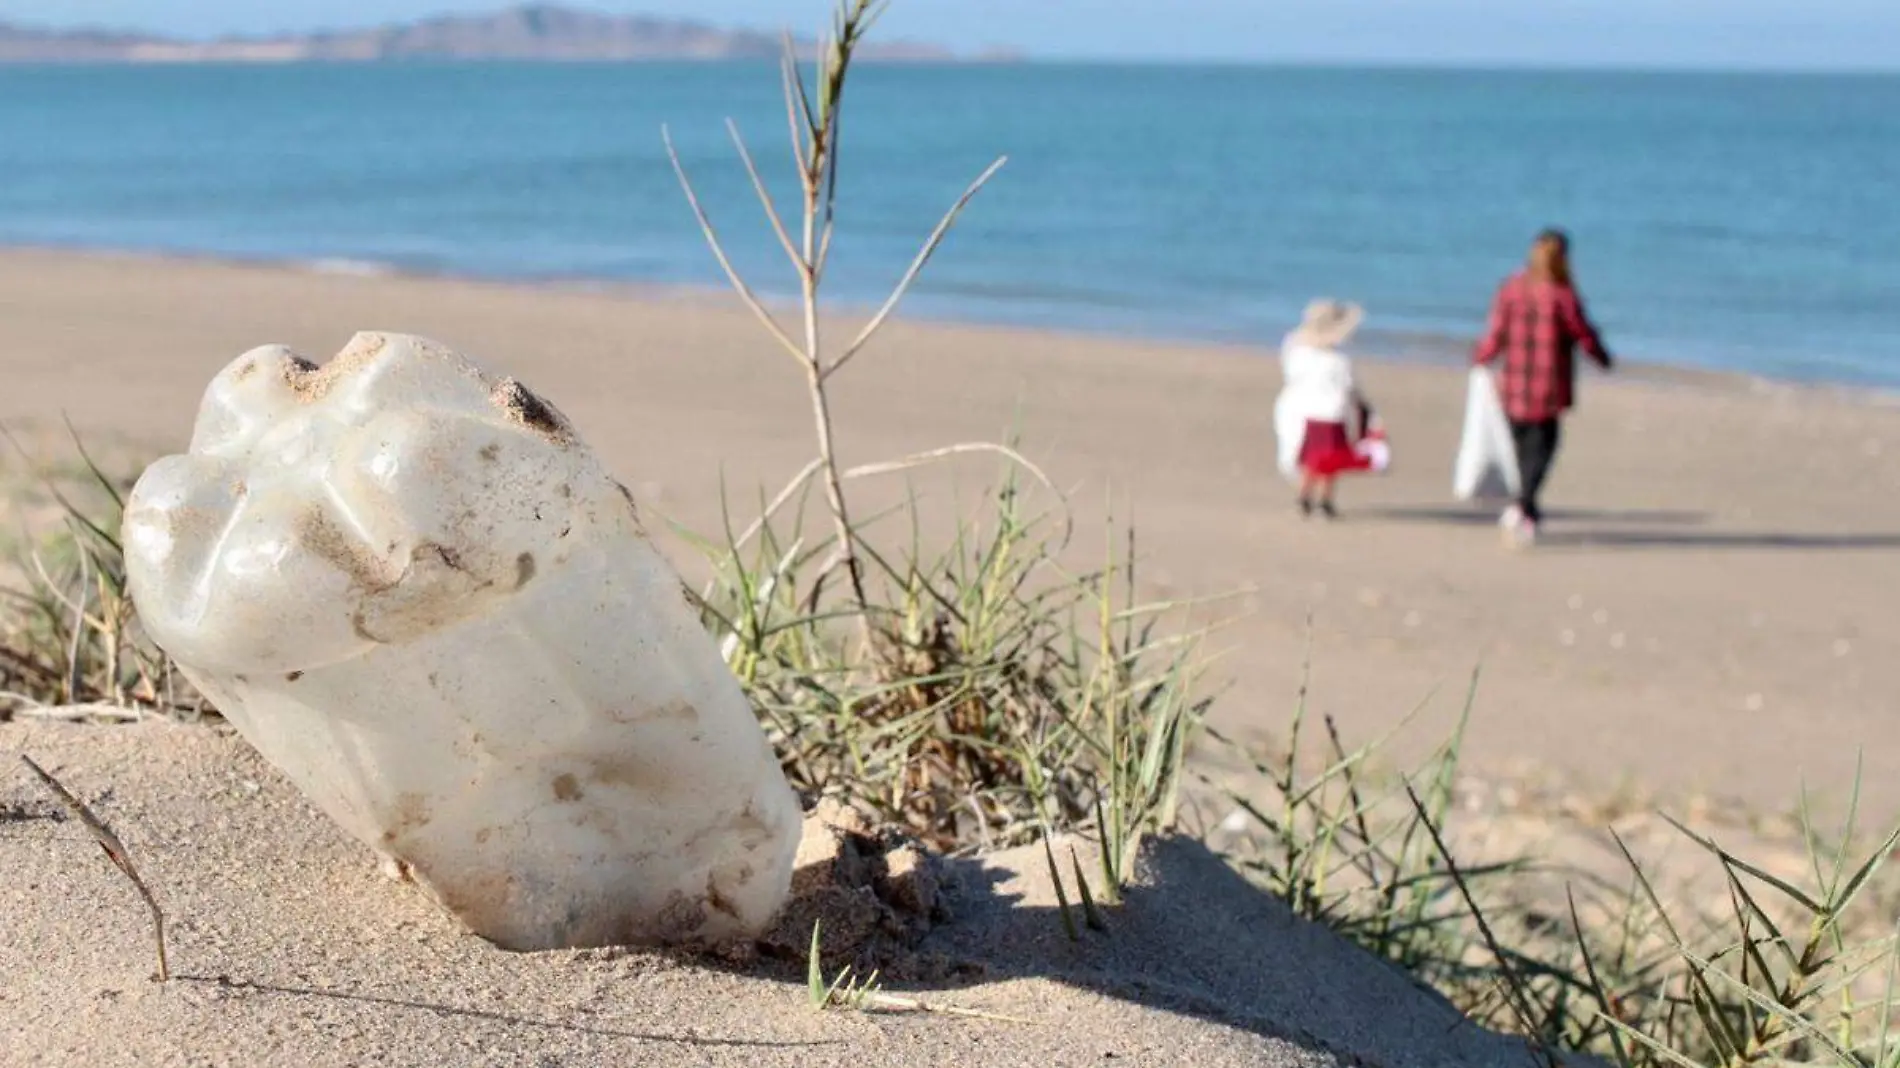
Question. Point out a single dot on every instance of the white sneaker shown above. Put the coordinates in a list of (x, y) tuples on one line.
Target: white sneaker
[(1520, 537), (1518, 531)]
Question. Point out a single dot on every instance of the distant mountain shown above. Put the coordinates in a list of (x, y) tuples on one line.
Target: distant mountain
[(533, 31), (28, 44)]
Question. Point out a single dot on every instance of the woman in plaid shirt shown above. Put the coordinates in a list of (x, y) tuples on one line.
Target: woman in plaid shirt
[(1537, 324)]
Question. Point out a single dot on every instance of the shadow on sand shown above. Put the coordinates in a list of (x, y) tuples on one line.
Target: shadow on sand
[(1612, 529), (509, 1019), (1191, 937), (1482, 515), (1716, 540)]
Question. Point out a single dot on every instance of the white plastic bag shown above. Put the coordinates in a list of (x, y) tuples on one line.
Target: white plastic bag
[(1486, 468), (1289, 429)]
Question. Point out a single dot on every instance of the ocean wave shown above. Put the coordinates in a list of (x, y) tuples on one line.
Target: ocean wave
[(352, 267)]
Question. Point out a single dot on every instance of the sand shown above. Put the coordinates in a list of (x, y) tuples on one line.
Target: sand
[(1710, 611), (288, 947)]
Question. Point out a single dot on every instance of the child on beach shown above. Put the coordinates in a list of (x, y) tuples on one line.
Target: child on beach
[(1324, 424)]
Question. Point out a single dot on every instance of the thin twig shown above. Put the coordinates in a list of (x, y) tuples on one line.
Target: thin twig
[(1513, 984), (77, 713), (53, 589), (916, 266), (814, 124), (888, 467), (74, 681), (719, 253), (115, 851), (797, 101), (765, 196), (918, 459), (821, 576), (817, 158), (834, 481), (880, 1000)]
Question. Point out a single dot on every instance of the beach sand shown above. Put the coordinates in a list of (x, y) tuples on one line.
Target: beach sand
[(288, 947), (1712, 610), (1713, 607)]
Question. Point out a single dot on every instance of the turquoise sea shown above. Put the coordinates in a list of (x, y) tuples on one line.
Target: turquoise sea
[(1740, 222)]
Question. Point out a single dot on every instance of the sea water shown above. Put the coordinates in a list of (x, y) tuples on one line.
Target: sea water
[(1739, 222)]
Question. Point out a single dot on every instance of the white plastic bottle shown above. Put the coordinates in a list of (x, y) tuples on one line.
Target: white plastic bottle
[(420, 596)]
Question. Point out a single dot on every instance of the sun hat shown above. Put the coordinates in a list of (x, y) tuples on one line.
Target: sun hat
[(1327, 323)]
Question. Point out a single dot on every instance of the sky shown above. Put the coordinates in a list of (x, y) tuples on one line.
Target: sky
[(1743, 34)]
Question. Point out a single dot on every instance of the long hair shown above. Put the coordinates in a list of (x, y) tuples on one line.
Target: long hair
[(1550, 258)]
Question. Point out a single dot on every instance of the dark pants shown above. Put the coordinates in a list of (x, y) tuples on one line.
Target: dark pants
[(1536, 448)]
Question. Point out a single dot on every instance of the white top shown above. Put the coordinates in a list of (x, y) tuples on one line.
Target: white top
[(1318, 383), (1318, 387)]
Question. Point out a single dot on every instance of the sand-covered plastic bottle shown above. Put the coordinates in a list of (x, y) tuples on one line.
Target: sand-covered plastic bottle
[(417, 592)]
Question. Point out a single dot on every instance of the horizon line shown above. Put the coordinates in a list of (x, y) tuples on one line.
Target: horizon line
[(1006, 57)]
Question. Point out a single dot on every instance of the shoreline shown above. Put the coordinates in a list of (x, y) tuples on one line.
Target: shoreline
[(1661, 373)]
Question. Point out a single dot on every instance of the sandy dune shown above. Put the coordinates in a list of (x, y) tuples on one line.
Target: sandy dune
[(288, 947)]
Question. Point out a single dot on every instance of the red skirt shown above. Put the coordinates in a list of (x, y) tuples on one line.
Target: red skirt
[(1326, 450)]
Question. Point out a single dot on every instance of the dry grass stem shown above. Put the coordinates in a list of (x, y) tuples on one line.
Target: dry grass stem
[(814, 122), (916, 267), (115, 851), (887, 467), (725, 263)]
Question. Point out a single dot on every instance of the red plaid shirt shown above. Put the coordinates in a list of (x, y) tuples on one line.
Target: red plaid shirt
[(1537, 326)]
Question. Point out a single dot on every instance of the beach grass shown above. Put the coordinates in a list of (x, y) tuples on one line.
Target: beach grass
[(1637, 971), (984, 695), (70, 643), (1001, 696)]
